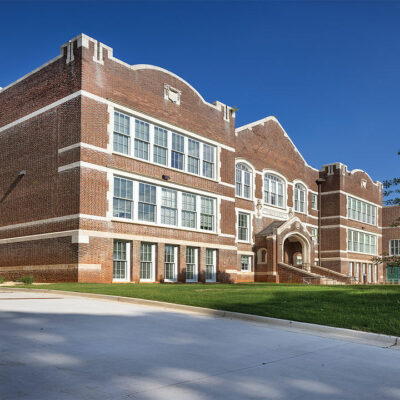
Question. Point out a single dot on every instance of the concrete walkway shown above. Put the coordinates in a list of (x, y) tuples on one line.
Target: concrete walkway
[(54, 347)]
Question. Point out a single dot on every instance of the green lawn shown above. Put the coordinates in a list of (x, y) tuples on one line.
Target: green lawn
[(367, 308)]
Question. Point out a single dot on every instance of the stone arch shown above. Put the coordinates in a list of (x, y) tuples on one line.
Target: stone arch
[(294, 244)]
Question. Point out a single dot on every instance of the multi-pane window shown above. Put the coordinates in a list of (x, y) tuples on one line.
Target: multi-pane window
[(191, 264), (208, 160), (162, 205), (142, 139), (300, 198), (361, 211), (314, 234), (147, 262), (243, 227), (243, 181), (351, 268), (160, 149), (394, 247), (274, 190), (360, 242), (178, 151), (147, 202), (163, 147), (369, 273), (207, 214), (193, 160), (121, 133), (357, 272), (169, 208), (171, 255), (123, 198), (211, 265), (245, 263), (120, 260), (189, 214), (314, 201), (375, 273)]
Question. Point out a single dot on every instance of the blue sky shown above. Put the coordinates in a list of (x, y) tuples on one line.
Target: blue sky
[(329, 71)]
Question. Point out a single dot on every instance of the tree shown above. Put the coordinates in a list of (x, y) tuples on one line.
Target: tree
[(391, 195)]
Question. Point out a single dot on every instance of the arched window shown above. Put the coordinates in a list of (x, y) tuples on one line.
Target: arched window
[(263, 256), (300, 198), (243, 181), (274, 189)]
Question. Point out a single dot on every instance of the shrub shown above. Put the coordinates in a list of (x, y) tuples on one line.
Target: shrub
[(2, 279), (27, 279)]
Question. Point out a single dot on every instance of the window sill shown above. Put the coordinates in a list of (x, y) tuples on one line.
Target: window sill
[(275, 207), (360, 222), (163, 166), (180, 228), (243, 198)]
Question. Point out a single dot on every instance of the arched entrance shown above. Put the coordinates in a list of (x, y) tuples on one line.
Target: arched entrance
[(296, 250)]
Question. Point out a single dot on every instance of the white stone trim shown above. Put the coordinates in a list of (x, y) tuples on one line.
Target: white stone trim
[(83, 145), (41, 110), (130, 175), (351, 228), (351, 195), (40, 236), (51, 220), (120, 107), (228, 235), (246, 253), (31, 73), (227, 185), (272, 118)]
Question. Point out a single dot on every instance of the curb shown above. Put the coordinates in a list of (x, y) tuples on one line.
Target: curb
[(349, 335)]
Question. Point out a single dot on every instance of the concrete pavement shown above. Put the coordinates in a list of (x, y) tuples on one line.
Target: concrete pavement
[(58, 347)]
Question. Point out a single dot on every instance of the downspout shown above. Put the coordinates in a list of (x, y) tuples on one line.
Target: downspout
[(319, 182)]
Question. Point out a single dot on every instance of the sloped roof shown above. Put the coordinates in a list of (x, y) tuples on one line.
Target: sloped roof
[(270, 228)]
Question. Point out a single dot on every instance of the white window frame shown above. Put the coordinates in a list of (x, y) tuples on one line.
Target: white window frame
[(128, 135), (128, 261), (249, 263), (357, 272), (159, 205), (195, 264), (351, 264), (273, 177), (394, 247), (356, 242), (125, 199), (241, 170), (299, 189), (248, 219), (314, 234), (314, 201), (214, 265), (201, 160), (357, 210), (175, 264), (153, 263)]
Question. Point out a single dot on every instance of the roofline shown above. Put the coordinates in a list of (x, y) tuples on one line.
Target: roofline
[(353, 171), (273, 118), (83, 40)]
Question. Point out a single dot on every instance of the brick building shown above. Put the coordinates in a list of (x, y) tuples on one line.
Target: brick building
[(391, 240), (118, 172)]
